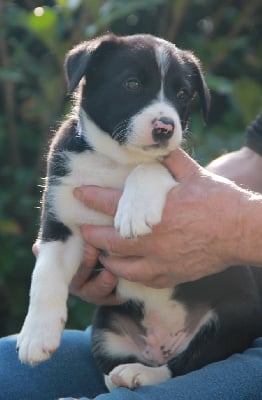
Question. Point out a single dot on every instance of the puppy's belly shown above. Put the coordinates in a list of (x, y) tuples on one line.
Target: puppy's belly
[(166, 329), (155, 341), (153, 345)]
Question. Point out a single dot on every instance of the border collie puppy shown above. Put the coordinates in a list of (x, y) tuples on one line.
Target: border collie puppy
[(133, 103)]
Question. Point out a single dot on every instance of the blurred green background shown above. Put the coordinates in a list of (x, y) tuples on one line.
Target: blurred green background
[(34, 37)]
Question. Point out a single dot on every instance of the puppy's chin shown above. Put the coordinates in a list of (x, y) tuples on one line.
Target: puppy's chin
[(153, 151)]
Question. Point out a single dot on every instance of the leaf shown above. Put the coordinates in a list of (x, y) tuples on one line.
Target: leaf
[(115, 9), (8, 75), (219, 84), (45, 26), (71, 4), (248, 95), (43, 23), (9, 227)]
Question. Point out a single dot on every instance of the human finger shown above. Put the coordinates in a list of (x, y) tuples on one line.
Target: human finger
[(85, 270), (99, 290), (133, 269), (181, 165), (99, 199), (162, 281), (106, 238)]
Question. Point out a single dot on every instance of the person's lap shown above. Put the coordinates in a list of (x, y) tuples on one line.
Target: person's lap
[(71, 371)]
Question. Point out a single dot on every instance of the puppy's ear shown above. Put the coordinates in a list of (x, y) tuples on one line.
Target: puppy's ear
[(76, 64), (77, 60), (199, 83), (203, 92)]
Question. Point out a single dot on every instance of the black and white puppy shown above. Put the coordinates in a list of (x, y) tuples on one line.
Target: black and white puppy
[(133, 104)]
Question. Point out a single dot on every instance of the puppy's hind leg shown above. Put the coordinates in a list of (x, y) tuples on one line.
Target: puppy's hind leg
[(56, 264)]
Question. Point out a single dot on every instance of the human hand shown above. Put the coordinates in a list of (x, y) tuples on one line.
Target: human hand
[(96, 290), (198, 234)]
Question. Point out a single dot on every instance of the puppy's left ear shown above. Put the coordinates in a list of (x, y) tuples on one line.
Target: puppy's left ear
[(78, 59), (199, 84), (203, 92), (76, 63)]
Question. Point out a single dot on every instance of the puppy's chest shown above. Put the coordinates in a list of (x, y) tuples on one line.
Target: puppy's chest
[(91, 168), (87, 168)]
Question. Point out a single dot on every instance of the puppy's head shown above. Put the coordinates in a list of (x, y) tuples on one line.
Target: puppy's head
[(136, 90)]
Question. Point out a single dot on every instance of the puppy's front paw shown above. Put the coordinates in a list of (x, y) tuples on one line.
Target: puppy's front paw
[(143, 200), (40, 336), (134, 375), (136, 215)]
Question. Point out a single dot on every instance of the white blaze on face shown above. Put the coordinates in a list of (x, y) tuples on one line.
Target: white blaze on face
[(141, 125), (163, 61)]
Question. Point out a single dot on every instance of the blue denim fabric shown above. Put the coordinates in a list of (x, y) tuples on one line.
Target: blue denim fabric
[(71, 372)]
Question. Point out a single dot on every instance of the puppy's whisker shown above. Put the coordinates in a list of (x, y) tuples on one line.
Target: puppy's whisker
[(120, 130)]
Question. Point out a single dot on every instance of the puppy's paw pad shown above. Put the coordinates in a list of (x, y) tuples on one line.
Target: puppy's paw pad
[(132, 221), (39, 339), (130, 226), (130, 376)]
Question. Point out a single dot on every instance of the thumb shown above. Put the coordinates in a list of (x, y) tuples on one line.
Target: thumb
[(181, 165), (100, 199)]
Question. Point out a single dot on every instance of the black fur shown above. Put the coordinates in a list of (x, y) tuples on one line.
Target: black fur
[(54, 230), (103, 88), (68, 139)]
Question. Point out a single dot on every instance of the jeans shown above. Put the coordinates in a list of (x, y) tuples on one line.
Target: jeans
[(71, 372)]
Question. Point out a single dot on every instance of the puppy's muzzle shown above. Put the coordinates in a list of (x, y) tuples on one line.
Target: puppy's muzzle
[(163, 129)]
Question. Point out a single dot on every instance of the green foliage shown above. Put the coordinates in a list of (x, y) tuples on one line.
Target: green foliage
[(34, 37)]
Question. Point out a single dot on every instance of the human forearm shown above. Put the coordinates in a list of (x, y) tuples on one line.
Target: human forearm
[(243, 166)]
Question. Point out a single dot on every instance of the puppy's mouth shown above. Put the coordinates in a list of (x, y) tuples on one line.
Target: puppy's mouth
[(156, 150), (155, 146)]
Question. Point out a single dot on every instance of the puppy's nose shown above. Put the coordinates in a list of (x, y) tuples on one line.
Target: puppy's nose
[(163, 129)]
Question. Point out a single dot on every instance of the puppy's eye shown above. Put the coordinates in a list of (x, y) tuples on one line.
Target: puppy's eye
[(182, 94), (132, 84)]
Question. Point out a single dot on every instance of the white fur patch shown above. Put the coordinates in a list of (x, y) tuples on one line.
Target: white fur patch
[(56, 264), (135, 375), (163, 61), (88, 168)]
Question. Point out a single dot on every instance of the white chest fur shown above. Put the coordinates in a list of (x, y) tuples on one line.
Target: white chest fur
[(86, 169)]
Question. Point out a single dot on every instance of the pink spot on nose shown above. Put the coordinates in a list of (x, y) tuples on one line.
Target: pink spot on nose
[(162, 127)]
